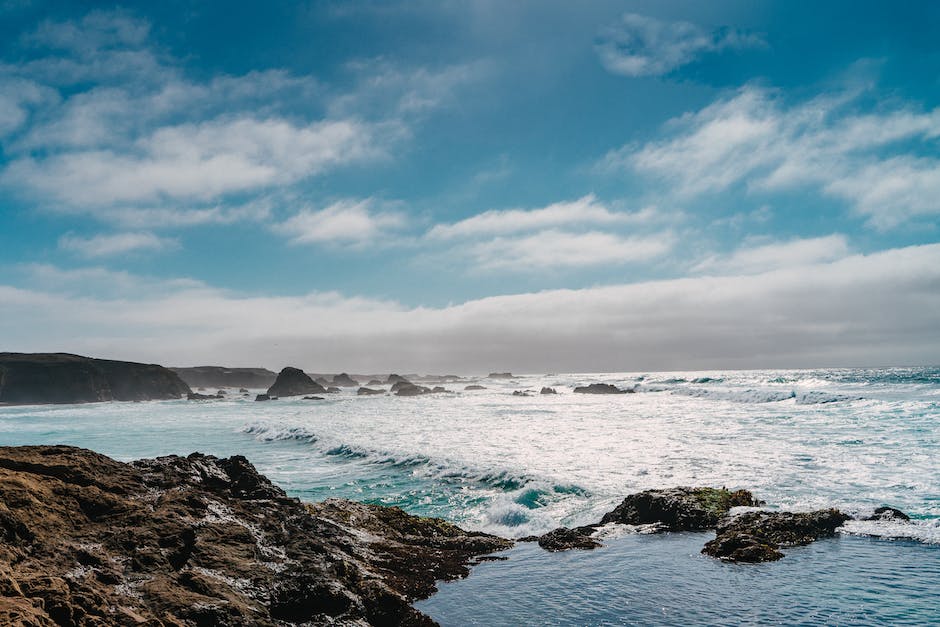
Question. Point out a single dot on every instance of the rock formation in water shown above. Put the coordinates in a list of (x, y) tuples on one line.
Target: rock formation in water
[(471, 388), (409, 389), (88, 541), (220, 376), (294, 382), (758, 536), (679, 509), (40, 378), (600, 388), (396, 378), (196, 396), (343, 380), (368, 392), (499, 375), (564, 539), (548, 391)]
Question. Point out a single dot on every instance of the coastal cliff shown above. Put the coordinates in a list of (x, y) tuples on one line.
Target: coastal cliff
[(198, 540), (41, 378)]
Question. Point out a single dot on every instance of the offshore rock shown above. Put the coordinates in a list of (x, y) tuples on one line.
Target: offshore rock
[(499, 375), (471, 388), (757, 536), (41, 378), (563, 539), (888, 513), (86, 540), (548, 391), (679, 509), (410, 389), (600, 388), (196, 396), (294, 382), (343, 380), (396, 378), (368, 392)]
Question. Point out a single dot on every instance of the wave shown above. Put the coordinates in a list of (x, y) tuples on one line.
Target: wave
[(922, 530), (815, 397), (751, 395)]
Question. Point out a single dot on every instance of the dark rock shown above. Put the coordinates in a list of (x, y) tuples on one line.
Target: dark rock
[(499, 375), (888, 513), (563, 539), (343, 380), (199, 540), (40, 378), (396, 378), (679, 509), (520, 393), (474, 387), (374, 382), (368, 392), (401, 384), (757, 536), (265, 397), (220, 393), (437, 389), (411, 390), (333, 390), (548, 391), (196, 396), (600, 388), (313, 398), (243, 390), (222, 377), (294, 382)]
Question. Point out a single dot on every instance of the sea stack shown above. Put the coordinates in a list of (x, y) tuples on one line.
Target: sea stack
[(294, 382)]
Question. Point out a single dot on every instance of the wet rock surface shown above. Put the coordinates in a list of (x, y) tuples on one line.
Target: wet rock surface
[(198, 540), (888, 513), (563, 539), (758, 536), (679, 509), (600, 388)]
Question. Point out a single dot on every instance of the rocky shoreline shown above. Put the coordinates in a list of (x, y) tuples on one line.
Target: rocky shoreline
[(199, 540)]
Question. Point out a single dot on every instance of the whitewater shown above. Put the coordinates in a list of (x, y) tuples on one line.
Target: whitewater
[(854, 439)]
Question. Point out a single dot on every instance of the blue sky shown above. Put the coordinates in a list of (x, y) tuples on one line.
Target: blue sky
[(466, 185)]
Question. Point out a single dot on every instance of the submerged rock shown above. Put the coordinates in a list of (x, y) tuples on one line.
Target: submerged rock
[(757, 536), (41, 378), (679, 509), (470, 388), (200, 540), (313, 398), (368, 392), (196, 396), (600, 388), (563, 539), (294, 382)]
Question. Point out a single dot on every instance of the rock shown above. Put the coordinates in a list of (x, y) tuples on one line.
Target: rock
[(757, 536), (200, 540), (196, 396), (679, 509), (437, 389), (294, 382), (220, 393), (548, 391), (401, 384), (563, 539), (520, 393), (223, 377), (600, 388), (242, 390), (499, 375), (470, 388), (41, 378), (374, 382), (265, 397), (343, 380), (411, 390), (333, 390), (313, 398), (888, 513), (368, 392), (322, 381), (396, 378)]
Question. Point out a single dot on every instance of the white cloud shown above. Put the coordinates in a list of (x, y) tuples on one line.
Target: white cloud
[(557, 249), (108, 245), (753, 139), (583, 211), (644, 46), (882, 308), (343, 222), (775, 255)]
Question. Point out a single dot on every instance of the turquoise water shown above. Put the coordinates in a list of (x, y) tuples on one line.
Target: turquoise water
[(849, 438)]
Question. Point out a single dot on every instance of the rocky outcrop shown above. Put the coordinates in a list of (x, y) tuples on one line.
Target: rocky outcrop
[(499, 375), (343, 380), (294, 382), (564, 539), (600, 388), (888, 513), (521, 393), (679, 509), (396, 378), (86, 540), (409, 389), (221, 376), (368, 392), (374, 382), (548, 391), (758, 536), (264, 397), (41, 378), (196, 396), (471, 388), (333, 390)]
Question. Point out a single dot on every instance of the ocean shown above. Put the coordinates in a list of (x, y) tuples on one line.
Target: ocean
[(519, 465)]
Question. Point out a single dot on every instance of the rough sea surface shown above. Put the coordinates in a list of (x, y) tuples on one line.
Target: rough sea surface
[(517, 465)]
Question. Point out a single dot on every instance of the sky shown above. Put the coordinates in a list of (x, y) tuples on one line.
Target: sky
[(444, 186)]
